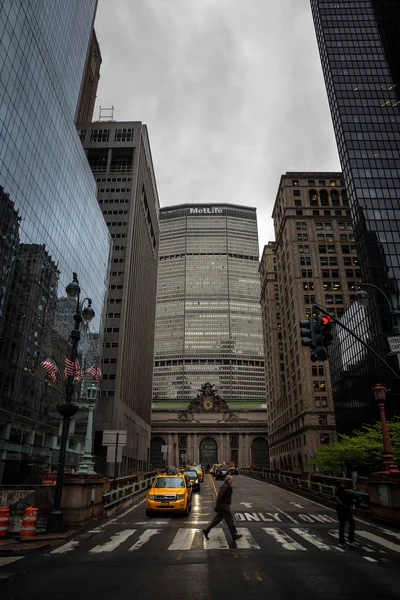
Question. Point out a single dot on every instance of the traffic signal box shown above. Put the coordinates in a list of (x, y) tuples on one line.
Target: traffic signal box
[(316, 334)]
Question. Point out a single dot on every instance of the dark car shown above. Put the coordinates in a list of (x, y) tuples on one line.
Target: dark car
[(234, 470), (221, 472), (194, 479)]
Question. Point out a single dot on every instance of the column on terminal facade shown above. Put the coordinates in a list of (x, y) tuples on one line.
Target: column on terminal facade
[(195, 454)]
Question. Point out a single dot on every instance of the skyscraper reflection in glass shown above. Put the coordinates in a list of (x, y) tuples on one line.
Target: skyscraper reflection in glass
[(208, 319), (50, 221)]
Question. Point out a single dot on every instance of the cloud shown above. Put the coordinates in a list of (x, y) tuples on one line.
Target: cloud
[(232, 93)]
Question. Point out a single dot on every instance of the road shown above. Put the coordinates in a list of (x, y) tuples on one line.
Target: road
[(289, 550)]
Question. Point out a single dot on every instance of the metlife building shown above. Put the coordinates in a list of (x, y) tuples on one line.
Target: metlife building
[(208, 319)]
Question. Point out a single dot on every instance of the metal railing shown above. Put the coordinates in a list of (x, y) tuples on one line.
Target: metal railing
[(319, 489), (121, 494)]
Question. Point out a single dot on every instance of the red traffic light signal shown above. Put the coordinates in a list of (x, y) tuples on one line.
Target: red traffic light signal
[(326, 330)]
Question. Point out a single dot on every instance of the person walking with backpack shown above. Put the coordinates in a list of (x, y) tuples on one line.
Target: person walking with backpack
[(223, 509)]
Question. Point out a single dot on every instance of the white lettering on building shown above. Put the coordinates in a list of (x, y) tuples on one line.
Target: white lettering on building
[(206, 211)]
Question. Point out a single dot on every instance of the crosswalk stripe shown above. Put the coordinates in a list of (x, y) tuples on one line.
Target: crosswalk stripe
[(115, 541), (372, 537), (7, 560), (146, 535), (183, 539), (68, 547), (312, 539), (284, 539), (247, 541), (217, 540)]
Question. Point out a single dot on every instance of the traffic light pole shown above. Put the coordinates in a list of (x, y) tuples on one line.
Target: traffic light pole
[(325, 312)]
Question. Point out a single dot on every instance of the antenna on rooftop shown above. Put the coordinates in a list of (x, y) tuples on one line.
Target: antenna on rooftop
[(106, 114)]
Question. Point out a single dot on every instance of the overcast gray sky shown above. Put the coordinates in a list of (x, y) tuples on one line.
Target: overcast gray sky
[(231, 91)]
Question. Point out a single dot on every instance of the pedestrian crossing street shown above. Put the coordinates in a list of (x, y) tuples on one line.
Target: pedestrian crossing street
[(371, 546)]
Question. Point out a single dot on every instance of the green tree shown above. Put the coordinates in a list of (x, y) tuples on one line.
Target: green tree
[(362, 451)]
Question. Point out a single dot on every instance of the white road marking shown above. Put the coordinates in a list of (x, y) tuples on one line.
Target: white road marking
[(312, 539), (146, 535), (296, 505), (247, 541), (372, 537), (149, 523), (284, 539), (369, 559), (286, 515), (97, 530), (115, 541), (183, 539), (247, 504), (123, 514), (7, 560), (395, 534), (217, 540), (68, 547)]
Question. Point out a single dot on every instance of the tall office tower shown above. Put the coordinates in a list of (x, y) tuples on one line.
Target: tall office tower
[(90, 82), (208, 324), (314, 259), (120, 157), (359, 45), (50, 222)]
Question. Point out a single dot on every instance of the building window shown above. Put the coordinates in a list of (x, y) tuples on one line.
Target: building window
[(305, 261), (308, 285), (297, 202), (123, 135), (296, 193), (321, 402), (324, 438), (295, 182), (99, 135)]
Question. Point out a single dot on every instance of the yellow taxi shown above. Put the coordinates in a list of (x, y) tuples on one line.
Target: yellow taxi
[(169, 492), (198, 469)]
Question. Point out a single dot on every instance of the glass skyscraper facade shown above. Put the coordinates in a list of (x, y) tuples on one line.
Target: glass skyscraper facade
[(359, 44), (208, 318), (51, 225)]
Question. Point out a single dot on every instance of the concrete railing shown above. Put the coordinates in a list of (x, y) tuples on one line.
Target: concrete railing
[(318, 489), (115, 497)]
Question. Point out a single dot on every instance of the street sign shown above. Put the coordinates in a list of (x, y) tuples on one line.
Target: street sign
[(111, 454), (110, 437), (394, 343), (164, 449)]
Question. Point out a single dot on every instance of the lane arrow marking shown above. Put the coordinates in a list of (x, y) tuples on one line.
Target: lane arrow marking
[(296, 505), (247, 504)]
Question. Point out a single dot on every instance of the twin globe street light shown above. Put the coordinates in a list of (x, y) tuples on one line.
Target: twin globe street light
[(68, 409)]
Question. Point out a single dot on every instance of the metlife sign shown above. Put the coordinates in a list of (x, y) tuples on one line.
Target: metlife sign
[(206, 210)]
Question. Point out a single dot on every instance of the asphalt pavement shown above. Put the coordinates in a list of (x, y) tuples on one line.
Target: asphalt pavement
[(289, 550)]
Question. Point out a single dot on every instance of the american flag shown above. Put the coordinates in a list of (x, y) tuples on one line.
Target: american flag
[(69, 368), (95, 372), (50, 368), (78, 371)]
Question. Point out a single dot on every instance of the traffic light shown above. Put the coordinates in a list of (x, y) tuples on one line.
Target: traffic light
[(307, 332), (326, 330)]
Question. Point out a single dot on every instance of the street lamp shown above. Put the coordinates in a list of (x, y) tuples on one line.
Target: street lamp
[(389, 464), (68, 409), (363, 298), (86, 466)]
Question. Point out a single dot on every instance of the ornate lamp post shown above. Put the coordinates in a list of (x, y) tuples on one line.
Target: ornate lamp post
[(389, 464), (86, 466), (68, 409)]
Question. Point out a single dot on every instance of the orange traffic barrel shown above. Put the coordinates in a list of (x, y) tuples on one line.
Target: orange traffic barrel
[(4, 520), (29, 521)]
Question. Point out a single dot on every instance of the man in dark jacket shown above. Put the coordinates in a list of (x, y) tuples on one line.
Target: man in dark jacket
[(344, 504), (223, 509)]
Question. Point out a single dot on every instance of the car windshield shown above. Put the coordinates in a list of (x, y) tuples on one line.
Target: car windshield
[(191, 474), (169, 482)]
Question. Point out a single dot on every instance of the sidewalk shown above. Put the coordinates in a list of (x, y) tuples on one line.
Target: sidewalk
[(10, 546)]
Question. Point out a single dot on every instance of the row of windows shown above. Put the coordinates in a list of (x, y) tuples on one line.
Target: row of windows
[(112, 179), (115, 212), (321, 182), (114, 201), (103, 135), (113, 190), (113, 315)]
